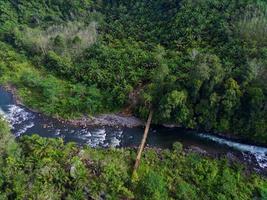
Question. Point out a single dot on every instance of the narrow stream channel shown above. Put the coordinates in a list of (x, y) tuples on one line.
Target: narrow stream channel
[(25, 122)]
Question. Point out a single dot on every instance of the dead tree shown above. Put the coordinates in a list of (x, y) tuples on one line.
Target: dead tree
[(142, 145)]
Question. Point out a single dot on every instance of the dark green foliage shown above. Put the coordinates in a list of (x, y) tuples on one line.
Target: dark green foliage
[(60, 65), (200, 64)]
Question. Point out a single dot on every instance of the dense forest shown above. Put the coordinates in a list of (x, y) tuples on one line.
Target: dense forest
[(199, 64), (41, 168)]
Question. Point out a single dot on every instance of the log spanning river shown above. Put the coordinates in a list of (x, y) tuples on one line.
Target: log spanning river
[(25, 122)]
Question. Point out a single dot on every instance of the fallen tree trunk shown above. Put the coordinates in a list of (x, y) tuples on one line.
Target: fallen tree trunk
[(142, 145)]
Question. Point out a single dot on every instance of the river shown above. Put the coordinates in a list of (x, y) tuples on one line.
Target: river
[(25, 122)]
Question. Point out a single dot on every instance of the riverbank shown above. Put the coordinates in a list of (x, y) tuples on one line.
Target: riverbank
[(26, 122), (163, 173), (98, 173), (120, 120), (113, 119)]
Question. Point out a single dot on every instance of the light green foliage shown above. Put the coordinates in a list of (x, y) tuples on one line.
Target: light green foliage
[(185, 191), (69, 39), (44, 91), (59, 64), (152, 186), (8, 146), (252, 25), (231, 96), (49, 169), (174, 106), (177, 147), (264, 191)]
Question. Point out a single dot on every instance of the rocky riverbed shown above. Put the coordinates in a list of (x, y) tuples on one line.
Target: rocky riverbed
[(117, 130), (115, 120)]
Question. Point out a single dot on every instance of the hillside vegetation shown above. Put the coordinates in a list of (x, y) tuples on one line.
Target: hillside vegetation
[(41, 168), (200, 64)]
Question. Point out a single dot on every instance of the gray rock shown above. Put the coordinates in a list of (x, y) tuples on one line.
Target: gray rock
[(198, 150)]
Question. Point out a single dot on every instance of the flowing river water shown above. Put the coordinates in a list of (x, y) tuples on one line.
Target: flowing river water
[(25, 122)]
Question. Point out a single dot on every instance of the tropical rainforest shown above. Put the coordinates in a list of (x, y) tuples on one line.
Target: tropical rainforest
[(199, 64)]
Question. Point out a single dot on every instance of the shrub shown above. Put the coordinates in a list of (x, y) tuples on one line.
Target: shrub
[(185, 191), (152, 186), (177, 147)]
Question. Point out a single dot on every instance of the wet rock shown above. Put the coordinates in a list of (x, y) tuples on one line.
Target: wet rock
[(114, 120), (231, 157), (251, 159), (198, 150), (171, 125)]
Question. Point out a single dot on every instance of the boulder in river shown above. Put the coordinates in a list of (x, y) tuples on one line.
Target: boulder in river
[(198, 150)]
